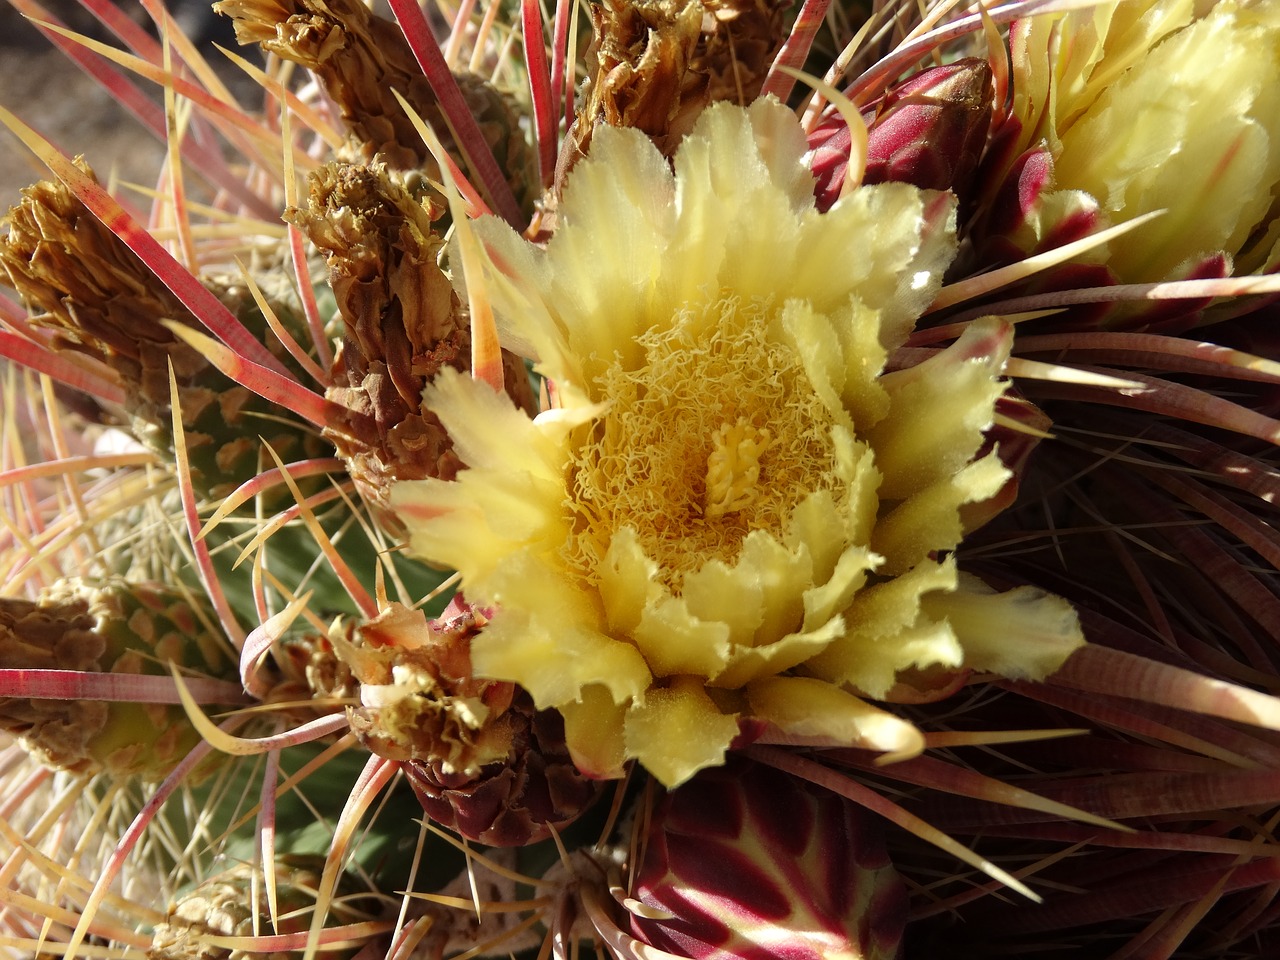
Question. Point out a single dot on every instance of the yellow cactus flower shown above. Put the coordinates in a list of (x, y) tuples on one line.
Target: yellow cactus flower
[(1154, 109), (731, 509)]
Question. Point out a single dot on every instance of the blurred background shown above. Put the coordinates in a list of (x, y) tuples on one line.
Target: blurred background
[(52, 94)]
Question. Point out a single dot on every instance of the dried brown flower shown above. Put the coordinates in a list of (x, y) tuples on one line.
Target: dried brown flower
[(404, 323), (105, 627), (360, 58), (655, 64), (480, 757), (81, 281), (222, 906)]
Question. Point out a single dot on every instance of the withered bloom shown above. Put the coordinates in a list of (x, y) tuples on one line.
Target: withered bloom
[(225, 906), (403, 324), (655, 64), (106, 627), (81, 281), (360, 58), (480, 757)]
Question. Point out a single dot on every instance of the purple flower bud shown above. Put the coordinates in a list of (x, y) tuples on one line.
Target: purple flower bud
[(930, 131), (747, 862)]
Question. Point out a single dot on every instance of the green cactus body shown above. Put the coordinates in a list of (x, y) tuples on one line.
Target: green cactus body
[(108, 626), (221, 907)]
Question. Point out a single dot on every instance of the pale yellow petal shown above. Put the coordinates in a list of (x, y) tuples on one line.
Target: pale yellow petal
[(930, 520), (544, 636), (474, 525), (677, 731), (871, 664), (811, 336), (939, 410), (726, 198), (555, 662), (750, 663), (805, 707), (719, 592), (673, 641), (876, 642), (627, 582), (903, 239), (487, 430), (593, 727), (782, 146), (1192, 130), (891, 606), (606, 260), (1025, 633), (516, 279), (1062, 62), (824, 601), (858, 327), (855, 465), (782, 576)]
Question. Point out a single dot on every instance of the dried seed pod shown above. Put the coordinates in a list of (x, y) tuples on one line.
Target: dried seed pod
[(83, 282), (480, 757), (107, 627), (743, 857), (360, 58), (404, 323), (656, 64)]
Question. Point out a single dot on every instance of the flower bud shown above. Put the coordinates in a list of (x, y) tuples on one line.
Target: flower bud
[(744, 858), (1183, 119), (929, 130)]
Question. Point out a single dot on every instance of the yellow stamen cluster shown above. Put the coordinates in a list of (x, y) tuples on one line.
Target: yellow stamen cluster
[(678, 459), (733, 467)]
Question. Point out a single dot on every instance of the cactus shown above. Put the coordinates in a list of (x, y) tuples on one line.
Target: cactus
[(108, 627), (746, 862), (639, 579)]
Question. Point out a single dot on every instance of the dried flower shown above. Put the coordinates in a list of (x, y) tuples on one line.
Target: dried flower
[(480, 758), (656, 64), (84, 283), (732, 510), (403, 323), (223, 906), (360, 58)]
